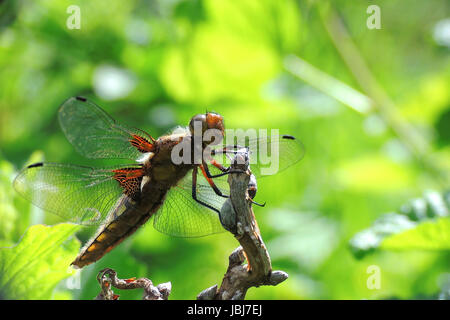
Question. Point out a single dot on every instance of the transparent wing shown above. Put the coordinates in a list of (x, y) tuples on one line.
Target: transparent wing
[(182, 216), (268, 155), (94, 134), (82, 195)]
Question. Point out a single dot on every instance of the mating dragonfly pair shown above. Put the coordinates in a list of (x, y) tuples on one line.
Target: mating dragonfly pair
[(184, 199)]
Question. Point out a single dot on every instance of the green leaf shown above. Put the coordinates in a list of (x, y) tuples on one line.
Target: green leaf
[(32, 268), (433, 235), (420, 224)]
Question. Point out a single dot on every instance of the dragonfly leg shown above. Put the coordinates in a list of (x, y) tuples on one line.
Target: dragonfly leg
[(228, 149), (258, 204), (218, 165), (208, 177), (194, 192), (226, 170), (225, 150), (235, 149)]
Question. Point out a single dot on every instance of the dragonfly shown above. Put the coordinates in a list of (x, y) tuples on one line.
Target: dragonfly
[(183, 199)]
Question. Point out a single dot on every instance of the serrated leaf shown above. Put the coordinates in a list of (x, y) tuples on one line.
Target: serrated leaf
[(32, 268)]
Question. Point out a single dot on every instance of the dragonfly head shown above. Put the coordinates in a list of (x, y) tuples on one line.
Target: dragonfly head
[(206, 121)]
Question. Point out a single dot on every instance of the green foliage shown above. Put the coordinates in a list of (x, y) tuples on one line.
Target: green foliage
[(240, 58), (422, 223), (32, 268), (426, 236)]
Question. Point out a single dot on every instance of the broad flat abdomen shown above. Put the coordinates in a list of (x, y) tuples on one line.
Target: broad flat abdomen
[(113, 233)]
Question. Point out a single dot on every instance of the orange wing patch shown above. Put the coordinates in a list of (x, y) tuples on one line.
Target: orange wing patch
[(142, 144), (130, 180)]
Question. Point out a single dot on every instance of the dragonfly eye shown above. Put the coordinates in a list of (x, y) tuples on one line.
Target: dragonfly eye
[(215, 121), (197, 122), (207, 121)]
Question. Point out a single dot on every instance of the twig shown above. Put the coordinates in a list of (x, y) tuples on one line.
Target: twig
[(107, 278), (238, 217)]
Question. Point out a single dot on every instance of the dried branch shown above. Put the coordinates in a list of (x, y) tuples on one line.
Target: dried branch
[(107, 278), (237, 217)]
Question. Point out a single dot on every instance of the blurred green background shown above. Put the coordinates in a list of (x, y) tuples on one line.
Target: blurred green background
[(372, 107)]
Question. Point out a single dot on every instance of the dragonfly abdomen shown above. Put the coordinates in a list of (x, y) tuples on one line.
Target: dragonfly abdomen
[(113, 233)]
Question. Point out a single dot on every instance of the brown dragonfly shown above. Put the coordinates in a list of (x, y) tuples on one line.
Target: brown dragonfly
[(184, 199)]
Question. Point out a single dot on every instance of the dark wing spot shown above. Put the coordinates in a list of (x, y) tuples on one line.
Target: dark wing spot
[(34, 165), (288, 137), (81, 98)]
